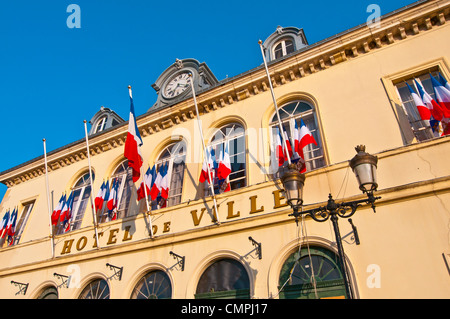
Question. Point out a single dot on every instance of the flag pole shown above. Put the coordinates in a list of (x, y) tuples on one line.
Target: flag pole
[(52, 237), (148, 205), (145, 186), (94, 216), (275, 102), (216, 213)]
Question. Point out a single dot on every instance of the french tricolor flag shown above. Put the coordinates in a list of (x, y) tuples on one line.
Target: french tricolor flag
[(165, 181), (204, 174), (156, 188), (4, 224), (442, 96), (133, 143), (424, 111), (66, 212), (429, 102), (147, 183), (306, 137), (279, 149), (224, 164), (57, 212), (111, 204), (11, 228), (288, 145), (444, 82), (99, 200)]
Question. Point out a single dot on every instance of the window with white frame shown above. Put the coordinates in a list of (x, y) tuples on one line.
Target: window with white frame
[(282, 48), (290, 114), (231, 136), (26, 210), (174, 156), (421, 129), (81, 193)]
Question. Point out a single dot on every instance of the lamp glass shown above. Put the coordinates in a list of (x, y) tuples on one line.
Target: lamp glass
[(294, 192), (366, 174)]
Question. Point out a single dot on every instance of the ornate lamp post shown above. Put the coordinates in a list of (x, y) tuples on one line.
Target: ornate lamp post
[(364, 166)]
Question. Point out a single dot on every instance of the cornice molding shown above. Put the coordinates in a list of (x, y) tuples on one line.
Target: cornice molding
[(395, 27)]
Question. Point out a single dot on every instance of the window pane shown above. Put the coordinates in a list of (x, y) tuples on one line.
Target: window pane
[(98, 289), (155, 285), (223, 275), (289, 46), (22, 222)]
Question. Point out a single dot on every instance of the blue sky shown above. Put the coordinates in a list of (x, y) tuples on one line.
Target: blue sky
[(53, 77)]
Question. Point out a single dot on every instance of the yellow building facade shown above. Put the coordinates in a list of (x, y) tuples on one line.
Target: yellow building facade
[(348, 89)]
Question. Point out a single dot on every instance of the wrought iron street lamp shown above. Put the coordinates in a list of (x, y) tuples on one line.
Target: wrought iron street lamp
[(364, 166)]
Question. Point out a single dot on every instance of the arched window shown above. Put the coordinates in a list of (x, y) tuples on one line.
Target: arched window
[(232, 137), (296, 279), (49, 292), (97, 289), (174, 156), (154, 285), (123, 176), (225, 278), (100, 125), (290, 114), (282, 48), (81, 193)]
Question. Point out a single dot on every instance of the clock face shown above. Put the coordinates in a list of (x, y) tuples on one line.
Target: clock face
[(177, 85)]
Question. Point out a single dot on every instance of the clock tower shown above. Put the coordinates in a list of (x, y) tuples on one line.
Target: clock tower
[(173, 85)]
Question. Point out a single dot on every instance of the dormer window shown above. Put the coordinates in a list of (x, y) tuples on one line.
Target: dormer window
[(284, 41), (284, 47), (100, 126), (104, 119)]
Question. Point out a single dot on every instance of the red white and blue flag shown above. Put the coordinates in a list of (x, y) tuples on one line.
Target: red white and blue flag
[(57, 212), (133, 144), (430, 103), (224, 164), (4, 224), (112, 200), (165, 181), (207, 162), (11, 228), (279, 149), (66, 212), (305, 138), (424, 111), (443, 98), (147, 183), (100, 199), (156, 187), (444, 82)]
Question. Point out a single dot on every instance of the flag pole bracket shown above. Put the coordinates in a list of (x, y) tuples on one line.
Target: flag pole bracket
[(117, 271), (64, 279), (180, 260), (258, 247), (22, 287)]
